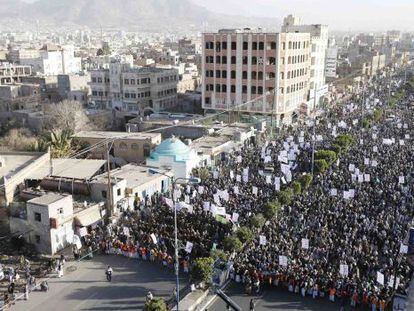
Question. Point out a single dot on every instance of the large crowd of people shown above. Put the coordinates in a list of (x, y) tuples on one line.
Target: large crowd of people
[(344, 236)]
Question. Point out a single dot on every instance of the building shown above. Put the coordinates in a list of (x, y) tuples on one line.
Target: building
[(10, 73), (255, 72), (331, 62), (174, 155), (319, 44), (74, 87), (131, 147), (134, 89), (23, 56)]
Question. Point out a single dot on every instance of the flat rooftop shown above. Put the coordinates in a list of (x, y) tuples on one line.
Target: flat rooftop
[(48, 198), (15, 161), (135, 175), (107, 134)]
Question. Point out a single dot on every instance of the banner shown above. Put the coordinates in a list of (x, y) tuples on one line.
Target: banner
[(305, 243), (262, 240), (189, 247)]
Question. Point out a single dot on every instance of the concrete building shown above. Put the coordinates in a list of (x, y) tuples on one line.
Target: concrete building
[(10, 73), (319, 44), (269, 72), (135, 89), (23, 56), (174, 155), (74, 87), (331, 62), (131, 147)]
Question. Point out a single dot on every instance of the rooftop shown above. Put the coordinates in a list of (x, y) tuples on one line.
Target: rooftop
[(48, 198), (119, 135), (15, 161)]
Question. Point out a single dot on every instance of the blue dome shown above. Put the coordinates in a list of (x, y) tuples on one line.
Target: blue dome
[(172, 147)]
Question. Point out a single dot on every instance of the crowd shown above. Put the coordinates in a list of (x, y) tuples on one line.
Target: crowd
[(343, 237)]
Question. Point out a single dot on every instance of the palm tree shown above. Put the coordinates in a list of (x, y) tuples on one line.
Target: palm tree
[(60, 142)]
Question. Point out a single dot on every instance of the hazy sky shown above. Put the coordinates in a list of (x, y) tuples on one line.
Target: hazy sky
[(338, 14)]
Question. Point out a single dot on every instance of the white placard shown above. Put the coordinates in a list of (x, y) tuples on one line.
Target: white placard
[(235, 217), (380, 278), (245, 178), (239, 159), (238, 178), (367, 177), (407, 136), (391, 282), (206, 206), (366, 161), (344, 270), (401, 180), (351, 167), (83, 231), (254, 190), (262, 240), (77, 242), (189, 247), (215, 175), (334, 192), (154, 238), (231, 174), (200, 189), (374, 163), (126, 231), (403, 249), (283, 261), (375, 149), (402, 143), (268, 179), (236, 189), (305, 243)]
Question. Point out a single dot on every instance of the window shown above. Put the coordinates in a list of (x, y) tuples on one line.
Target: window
[(254, 46), (289, 60), (123, 146), (207, 100), (37, 238), (261, 46), (133, 81), (260, 75), (118, 192), (260, 90), (233, 88), (254, 75), (224, 74), (273, 45), (218, 74), (233, 74), (253, 90), (99, 80), (224, 88), (147, 147), (218, 59), (224, 45), (209, 45), (217, 88), (254, 60), (93, 79), (290, 46), (233, 60), (245, 46), (224, 60), (60, 210), (103, 194), (234, 46), (244, 89), (245, 60), (218, 48), (244, 74), (38, 217), (126, 81)]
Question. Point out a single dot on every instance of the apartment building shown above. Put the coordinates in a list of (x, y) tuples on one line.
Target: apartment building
[(319, 44), (10, 73), (256, 72), (135, 89)]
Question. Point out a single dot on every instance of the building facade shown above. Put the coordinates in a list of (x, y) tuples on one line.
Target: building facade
[(10, 73), (134, 89), (255, 72)]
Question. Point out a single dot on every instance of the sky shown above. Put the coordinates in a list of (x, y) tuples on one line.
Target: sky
[(373, 15)]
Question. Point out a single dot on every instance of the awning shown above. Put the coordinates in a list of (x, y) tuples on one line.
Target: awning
[(88, 216)]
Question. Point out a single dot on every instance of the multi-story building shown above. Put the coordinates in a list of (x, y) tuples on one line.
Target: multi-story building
[(256, 72), (319, 43), (74, 87), (10, 73), (134, 88)]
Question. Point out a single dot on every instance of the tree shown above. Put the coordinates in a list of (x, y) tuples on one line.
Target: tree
[(232, 244), (305, 180), (257, 221), (344, 141), (202, 270), (270, 209), (297, 188), (285, 196), (19, 139), (328, 155), (67, 114), (321, 166), (378, 113), (218, 254), (60, 142), (245, 234), (155, 304)]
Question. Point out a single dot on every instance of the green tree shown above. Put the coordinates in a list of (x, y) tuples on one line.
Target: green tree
[(344, 141), (378, 113), (305, 180), (202, 270), (297, 188), (270, 209), (218, 254), (60, 142), (321, 166), (232, 244), (328, 155), (156, 304), (285, 196), (257, 221), (244, 234)]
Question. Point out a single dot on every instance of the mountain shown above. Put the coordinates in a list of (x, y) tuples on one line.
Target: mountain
[(146, 14)]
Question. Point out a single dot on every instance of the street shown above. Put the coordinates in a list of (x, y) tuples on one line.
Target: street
[(86, 288), (275, 300)]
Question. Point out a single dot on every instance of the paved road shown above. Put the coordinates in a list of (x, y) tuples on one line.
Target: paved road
[(87, 289), (275, 300)]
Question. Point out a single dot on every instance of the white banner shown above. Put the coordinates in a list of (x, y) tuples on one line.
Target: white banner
[(154, 238), (343, 270), (262, 240), (380, 278), (305, 243), (283, 261)]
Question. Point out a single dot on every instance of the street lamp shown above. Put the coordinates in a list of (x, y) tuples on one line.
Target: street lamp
[(193, 181)]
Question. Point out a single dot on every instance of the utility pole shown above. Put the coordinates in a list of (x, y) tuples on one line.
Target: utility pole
[(109, 205)]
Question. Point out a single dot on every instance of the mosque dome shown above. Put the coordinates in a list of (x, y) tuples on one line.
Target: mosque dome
[(172, 147)]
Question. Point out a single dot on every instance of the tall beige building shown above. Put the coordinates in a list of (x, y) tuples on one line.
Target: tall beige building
[(256, 72)]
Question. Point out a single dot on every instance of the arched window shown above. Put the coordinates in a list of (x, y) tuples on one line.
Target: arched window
[(123, 146)]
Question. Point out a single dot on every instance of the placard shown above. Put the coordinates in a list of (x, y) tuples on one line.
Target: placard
[(305, 243)]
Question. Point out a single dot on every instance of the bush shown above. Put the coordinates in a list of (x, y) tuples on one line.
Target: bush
[(344, 141), (232, 244), (336, 148), (156, 304), (202, 270), (244, 234), (270, 209), (378, 113), (218, 254), (321, 166), (297, 188), (366, 123), (305, 180), (328, 155), (257, 221), (285, 196)]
